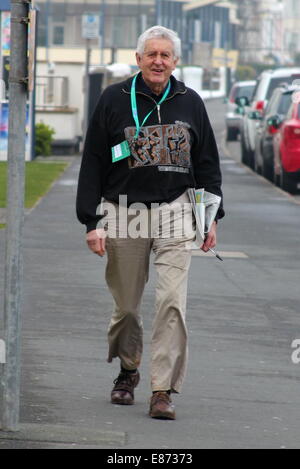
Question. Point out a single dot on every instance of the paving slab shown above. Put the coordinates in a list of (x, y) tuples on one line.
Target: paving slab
[(63, 434)]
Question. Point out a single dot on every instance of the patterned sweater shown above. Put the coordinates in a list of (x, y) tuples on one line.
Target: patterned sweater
[(175, 149)]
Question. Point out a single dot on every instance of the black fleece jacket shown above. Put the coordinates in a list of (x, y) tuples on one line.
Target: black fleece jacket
[(175, 150)]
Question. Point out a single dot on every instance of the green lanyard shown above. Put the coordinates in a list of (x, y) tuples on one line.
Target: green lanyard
[(134, 106)]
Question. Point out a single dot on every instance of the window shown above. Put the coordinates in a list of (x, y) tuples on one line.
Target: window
[(42, 36), (276, 82), (58, 35), (290, 113), (218, 32), (273, 104), (285, 103), (245, 91), (198, 31), (121, 31)]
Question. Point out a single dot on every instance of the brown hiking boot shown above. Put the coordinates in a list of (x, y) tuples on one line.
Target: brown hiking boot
[(123, 391), (161, 406)]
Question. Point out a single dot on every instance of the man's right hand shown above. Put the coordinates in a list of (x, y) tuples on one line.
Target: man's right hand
[(96, 241)]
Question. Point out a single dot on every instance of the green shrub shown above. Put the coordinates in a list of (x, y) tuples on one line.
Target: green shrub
[(43, 139)]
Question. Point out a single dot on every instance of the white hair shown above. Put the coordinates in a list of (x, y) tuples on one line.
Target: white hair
[(160, 32)]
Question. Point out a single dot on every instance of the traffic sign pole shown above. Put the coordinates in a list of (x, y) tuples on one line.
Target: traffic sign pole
[(15, 213), (86, 86), (90, 30)]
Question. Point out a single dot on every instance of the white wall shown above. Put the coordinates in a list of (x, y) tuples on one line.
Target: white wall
[(64, 123), (75, 74)]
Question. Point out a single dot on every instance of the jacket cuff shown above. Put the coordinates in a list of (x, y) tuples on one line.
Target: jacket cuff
[(91, 226)]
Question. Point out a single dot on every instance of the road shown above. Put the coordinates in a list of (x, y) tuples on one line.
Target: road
[(242, 387)]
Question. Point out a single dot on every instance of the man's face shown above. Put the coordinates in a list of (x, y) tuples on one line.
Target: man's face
[(157, 62)]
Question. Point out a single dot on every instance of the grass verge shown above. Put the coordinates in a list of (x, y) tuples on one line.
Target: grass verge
[(39, 177)]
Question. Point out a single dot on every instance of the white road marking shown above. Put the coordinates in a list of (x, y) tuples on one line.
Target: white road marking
[(224, 254)]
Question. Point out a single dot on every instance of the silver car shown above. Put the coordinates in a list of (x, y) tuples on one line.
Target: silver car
[(255, 107), (240, 89)]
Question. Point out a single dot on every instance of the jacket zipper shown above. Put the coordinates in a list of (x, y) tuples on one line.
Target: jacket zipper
[(158, 112), (157, 105)]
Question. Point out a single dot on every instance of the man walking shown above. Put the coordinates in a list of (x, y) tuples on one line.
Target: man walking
[(149, 140)]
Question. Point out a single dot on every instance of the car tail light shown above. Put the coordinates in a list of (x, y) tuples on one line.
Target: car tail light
[(272, 130), (297, 131), (233, 95), (260, 105), (292, 132)]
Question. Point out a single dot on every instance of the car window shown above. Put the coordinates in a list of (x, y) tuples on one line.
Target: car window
[(273, 103), (290, 112), (276, 82), (284, 103), (246, 91), (255, 88)]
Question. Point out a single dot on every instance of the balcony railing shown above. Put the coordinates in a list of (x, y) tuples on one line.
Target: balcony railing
[(52, 92)]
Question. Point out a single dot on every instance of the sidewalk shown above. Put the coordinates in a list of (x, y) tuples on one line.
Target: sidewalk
[(59, 339), (242, 389), (2, 215)]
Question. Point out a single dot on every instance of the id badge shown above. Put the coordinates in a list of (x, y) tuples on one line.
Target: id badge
[(120, 151)]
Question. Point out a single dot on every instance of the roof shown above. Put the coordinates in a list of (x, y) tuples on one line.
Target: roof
[(197, 4), (283, 72), (4, 5), (245, 83)]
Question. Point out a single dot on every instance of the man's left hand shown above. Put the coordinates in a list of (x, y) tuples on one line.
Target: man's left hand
[(211, 238)]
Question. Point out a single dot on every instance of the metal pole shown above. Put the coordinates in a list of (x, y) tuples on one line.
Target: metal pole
[(102, 27), (15, 214), (47, 31), (86, 87), (159, 12)]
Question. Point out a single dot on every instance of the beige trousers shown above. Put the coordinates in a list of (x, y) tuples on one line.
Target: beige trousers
[(126, 275)]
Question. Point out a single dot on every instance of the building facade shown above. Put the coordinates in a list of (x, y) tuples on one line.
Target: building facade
[(269, 32), (122, 21), (291, 20), (209, 25), (62, 51), (207, 29)]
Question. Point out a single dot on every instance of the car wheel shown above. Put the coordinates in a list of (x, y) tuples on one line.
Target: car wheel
[(244, 152), (251, 159), (257, 166), (268, 171), (231, 134), (288, 182), (276, 179)]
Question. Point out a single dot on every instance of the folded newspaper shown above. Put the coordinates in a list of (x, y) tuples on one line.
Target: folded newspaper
[(205, 207)]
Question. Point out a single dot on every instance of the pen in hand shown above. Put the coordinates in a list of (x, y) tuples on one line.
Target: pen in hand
[(216, 254)]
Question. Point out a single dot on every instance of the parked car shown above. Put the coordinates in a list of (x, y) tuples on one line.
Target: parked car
[(233, 115), (275, 112), (287, 150), (266, 83)]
